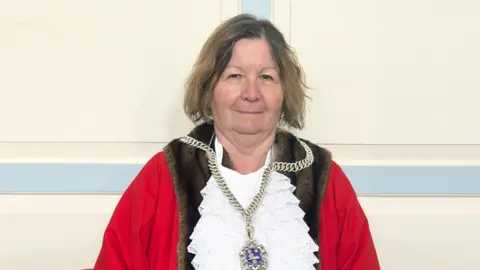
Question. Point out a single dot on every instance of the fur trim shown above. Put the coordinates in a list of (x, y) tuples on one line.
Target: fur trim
[(190, 173)]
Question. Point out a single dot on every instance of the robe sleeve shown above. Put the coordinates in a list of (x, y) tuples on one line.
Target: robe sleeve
[(126, 237), (356, 249)]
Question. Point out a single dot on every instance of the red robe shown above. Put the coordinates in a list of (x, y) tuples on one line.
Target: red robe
[(143, 233)]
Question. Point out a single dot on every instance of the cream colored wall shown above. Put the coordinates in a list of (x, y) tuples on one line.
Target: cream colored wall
[(390, 73), (94, 73)]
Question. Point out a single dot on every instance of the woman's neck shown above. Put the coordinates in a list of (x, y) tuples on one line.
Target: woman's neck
[(247, 153)]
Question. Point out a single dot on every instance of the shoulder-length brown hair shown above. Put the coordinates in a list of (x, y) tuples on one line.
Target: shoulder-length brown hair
[(215, 55)]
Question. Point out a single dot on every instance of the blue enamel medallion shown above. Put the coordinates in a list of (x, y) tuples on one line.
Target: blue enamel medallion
[(253, 255)]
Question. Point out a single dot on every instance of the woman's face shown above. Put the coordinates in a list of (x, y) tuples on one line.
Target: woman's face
[(248, 97)]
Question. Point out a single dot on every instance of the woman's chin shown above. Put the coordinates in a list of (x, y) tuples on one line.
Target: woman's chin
[(249, 128)]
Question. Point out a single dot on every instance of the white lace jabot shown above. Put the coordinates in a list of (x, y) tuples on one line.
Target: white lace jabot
[(220, 233)]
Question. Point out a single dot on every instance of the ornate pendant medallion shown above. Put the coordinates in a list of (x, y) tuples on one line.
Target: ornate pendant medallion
[(253, 256)]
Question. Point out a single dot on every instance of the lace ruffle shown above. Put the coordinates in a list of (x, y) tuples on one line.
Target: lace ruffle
[(279, 226)]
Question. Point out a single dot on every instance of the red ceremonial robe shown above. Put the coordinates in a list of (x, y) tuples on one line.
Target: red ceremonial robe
[(150, 227)]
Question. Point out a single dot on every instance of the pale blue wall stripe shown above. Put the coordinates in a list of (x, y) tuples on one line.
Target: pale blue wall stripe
[(259, 8), (116, 177)]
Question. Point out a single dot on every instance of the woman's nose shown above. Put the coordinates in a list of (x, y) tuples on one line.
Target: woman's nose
[(251, 91)]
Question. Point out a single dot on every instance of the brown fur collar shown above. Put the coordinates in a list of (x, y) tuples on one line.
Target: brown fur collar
[(188, 166)]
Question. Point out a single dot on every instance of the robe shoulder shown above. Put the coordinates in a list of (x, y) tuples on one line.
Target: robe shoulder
[(127, 242), (345, 240)]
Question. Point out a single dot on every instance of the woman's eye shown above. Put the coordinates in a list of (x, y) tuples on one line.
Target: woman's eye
[(267, 77), (234, 76)]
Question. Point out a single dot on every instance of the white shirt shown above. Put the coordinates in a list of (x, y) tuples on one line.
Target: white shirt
[(279, 226)]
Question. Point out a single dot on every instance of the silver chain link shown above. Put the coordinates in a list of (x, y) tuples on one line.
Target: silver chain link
[(248, 213)]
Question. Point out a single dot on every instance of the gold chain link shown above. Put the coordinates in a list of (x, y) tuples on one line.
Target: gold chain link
[(248, 213)]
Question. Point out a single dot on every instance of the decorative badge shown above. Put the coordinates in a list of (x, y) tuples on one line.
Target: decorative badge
[(253, 256)]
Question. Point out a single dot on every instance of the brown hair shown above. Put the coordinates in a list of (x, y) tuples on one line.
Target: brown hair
[(216, 54)]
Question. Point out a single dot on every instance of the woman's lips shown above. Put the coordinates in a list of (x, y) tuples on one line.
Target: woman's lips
[(249, 112)]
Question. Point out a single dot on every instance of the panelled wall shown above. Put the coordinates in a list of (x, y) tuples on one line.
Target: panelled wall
[(90, 90)]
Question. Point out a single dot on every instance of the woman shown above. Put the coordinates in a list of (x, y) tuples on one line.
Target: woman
[(239, 192)]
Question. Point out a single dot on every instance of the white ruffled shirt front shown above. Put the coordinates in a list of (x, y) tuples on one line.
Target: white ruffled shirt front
[(279, 226)]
